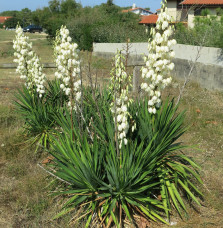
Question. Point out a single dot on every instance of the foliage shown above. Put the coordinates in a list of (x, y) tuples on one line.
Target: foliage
[(105, 24), (202, 33), (205, 12), (102, 23), (146, 175), (69, 7), (174, 174), (115, 188), (54, 95), (56, 15), (23, 17), (9, 13), (12, 22), (219, 11), (38, 114), (54, 6)]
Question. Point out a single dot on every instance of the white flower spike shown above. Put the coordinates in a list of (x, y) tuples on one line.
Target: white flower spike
[(68, 65), (120, 83), (156, 73), (29, 66)]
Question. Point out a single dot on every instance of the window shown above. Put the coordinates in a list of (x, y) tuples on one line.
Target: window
[(178, 4), (197, 11)]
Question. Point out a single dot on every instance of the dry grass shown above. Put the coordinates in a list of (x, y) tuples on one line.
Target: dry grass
[(205, 117), (24, 198), (6, 35), (40, 44)]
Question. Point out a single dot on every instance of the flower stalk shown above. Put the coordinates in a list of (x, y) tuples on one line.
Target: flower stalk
[(68, 66), (29, 66), (156, 73), (120, 83)]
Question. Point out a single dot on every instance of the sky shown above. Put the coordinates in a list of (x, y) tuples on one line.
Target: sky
[(34, 4)]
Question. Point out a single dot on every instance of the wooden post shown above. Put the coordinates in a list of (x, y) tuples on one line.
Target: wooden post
[(135, 79)]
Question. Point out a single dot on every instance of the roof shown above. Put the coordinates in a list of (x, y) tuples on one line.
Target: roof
[(202, 2), (150, 19), (127, 10), (3, 19)]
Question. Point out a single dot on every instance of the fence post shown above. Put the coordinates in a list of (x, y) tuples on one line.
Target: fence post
[(135, 79)]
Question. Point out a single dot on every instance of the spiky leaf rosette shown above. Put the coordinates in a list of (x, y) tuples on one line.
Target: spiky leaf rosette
[(109, 189)]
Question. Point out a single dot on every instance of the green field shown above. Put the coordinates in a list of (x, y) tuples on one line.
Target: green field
[(40, 44), (24, 195)]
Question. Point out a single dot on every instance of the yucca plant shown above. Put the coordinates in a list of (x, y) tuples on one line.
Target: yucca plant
[(174, 169), (150, 178), (38, 115), (54, 95)]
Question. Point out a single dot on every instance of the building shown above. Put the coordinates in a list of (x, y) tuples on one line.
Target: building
[(149, 20), (185, 10), (3, 19), (138, 10)]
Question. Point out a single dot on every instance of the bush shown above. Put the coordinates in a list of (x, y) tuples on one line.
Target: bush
[(202, 33), (116, 159), (38, 114), (149, 168), (101, 25)]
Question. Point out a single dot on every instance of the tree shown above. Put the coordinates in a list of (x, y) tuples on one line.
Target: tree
[(110, 2), (12, 22), (12, 13), (54, 6), (25, 15), (69, 7), (42, 16)]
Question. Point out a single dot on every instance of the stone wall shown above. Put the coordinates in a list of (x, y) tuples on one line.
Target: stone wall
[(207, 76), (208, 70)]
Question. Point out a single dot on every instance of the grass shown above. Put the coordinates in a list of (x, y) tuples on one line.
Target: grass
[(24, 195), (40, 44), (6, 35)]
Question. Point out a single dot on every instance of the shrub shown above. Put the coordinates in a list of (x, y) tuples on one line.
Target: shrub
[(113, 188), (116, 159), (202, 32), (38, 114), (102, 25)]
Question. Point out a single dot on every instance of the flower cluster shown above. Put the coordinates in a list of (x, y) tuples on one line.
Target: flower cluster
[(38, 76), (29, 66), (120, 82), (68, 65), (156, 73)]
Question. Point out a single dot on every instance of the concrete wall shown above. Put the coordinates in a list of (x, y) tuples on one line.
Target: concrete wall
[(191, 18), (172, 9), (208, 55), (207, 76), (208, 71)]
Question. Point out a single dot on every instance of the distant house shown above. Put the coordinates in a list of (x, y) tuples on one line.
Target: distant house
[(185, 10), (138, 10), (3, 19), (149, 20)]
